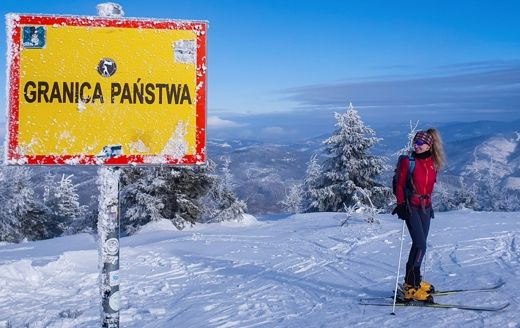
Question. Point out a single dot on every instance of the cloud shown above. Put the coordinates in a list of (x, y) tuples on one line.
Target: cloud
[(284, 127), (219, 123), (469, 91), (273, 131)]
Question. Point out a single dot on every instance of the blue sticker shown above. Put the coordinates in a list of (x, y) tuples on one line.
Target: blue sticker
[(33, 37)]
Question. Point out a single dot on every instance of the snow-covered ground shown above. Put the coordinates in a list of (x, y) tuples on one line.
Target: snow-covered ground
[(298, 271)]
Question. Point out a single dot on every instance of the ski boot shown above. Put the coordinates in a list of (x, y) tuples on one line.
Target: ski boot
[(427, 287), (412, 293)]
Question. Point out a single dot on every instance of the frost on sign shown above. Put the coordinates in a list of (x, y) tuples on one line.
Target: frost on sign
[(91, 90), (185, 51)]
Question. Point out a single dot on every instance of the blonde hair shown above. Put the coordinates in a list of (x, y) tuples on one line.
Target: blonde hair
[(437, 149)]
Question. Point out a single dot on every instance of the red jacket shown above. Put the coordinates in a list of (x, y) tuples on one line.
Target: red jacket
[(423, 179)]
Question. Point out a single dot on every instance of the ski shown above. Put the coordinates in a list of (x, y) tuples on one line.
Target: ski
[(464, 290), (437, 305), (444, 292)]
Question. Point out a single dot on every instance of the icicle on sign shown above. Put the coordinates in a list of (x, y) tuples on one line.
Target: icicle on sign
[(90, 90)]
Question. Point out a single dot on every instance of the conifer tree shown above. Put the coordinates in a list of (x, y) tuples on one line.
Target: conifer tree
[(172, 193), (10, 225), (221, 203), (141, 201), (444, 200), (293, 201), (350, 171), (227, 180), (465, 196), (19, 212), (313, 186), (61, 198), (183, 191)]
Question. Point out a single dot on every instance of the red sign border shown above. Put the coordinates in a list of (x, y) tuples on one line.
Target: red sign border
[(13, 158)]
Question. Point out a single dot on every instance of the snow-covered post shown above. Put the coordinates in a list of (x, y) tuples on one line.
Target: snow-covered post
[(108, 232), (108, 222)]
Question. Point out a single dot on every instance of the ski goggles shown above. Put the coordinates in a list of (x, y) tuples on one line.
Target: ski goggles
[(419, 142)]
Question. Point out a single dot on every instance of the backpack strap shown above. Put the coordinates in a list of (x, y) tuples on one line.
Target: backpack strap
[(409, 183)]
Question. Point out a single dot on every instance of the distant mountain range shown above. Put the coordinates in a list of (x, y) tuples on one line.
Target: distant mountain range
[(263, 171)]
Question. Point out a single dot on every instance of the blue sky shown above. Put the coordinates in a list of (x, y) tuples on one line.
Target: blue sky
[(280, 68)]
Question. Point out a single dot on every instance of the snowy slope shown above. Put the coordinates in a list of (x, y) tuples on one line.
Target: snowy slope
[(494, 153), (300, 271)]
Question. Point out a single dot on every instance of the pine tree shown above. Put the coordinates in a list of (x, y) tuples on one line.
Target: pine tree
[(293, 201), (91, 214), (62, 200), (227, 180), (510, 201), (313, 186), (465, 196), (443, 199), (51, 225), (141, 201), (184, 190), (350, 171), (172, 193), (10, 225), (19, 212), (221, 202)]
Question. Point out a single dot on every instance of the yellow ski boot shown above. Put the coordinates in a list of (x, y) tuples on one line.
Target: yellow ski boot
[(411, 293), (427, 287)]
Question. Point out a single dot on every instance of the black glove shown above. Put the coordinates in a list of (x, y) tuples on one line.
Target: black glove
[(402, 211)]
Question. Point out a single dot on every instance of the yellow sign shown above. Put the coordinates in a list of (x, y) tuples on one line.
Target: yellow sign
[(89, 90)]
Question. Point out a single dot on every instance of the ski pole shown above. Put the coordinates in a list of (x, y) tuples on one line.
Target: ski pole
[(398, 269)]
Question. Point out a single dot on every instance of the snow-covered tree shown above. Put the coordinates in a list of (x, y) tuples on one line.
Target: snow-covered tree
[(172, 193), (444, 200), (492, 188), (10, 225), (313, 186), (349, 167), (61, 198), (465, 196), (184, 191), (221, 202), (227, 179), (407, 149), (20, 215), (487, 175), (293, 201), (141, 201), (91, 213), (510, 201)]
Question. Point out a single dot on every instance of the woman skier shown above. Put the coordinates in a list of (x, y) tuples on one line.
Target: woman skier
[(415, 207)]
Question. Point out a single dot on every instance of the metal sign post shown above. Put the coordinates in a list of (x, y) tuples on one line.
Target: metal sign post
[(108, 220), (108, 232)]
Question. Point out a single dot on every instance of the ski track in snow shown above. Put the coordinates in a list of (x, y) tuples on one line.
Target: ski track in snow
[(302, 271)]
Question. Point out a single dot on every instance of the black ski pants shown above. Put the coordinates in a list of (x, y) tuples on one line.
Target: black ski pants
[(418, 226)]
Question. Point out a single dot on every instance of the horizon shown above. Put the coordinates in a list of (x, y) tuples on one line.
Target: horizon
[(270, 62)]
